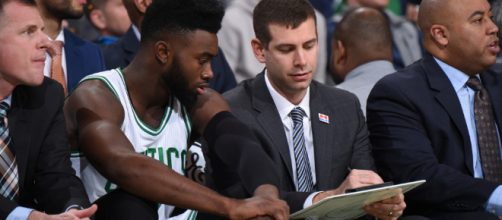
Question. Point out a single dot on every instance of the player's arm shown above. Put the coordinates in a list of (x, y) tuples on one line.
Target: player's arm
[(97, 114)]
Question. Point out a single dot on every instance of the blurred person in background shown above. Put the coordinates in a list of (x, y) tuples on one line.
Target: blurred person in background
[(109, 17)]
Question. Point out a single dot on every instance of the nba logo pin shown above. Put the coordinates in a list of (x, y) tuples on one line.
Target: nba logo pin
[(323, 118)]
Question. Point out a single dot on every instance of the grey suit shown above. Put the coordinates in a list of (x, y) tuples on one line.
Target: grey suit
[(340, 144)]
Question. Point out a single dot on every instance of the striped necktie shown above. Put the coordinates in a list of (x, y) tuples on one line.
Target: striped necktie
[(488, 140), (8, 165), (303, 172)]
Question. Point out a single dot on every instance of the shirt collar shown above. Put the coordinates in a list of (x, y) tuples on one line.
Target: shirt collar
[(283, 105), (136, 32), (60, 36), (456, 77)]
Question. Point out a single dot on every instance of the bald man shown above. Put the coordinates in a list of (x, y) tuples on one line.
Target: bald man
[(434, 120), (362, 51), (405, 36)]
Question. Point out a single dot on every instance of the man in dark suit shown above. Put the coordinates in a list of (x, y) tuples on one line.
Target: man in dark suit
[(422, 120), (335, 138), (121, 53), (34, 144), (81, 57)]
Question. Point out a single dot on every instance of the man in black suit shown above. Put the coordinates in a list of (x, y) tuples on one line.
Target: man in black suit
[(38, 150), (422, 119), (121, 53), (335, 135)]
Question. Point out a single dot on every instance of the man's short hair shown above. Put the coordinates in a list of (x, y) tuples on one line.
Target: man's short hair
[(181, 16), (26, 2), (290, 13)]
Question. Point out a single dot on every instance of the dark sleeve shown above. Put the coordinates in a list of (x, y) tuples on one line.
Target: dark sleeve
[(223, 79), (404, 151), (56, 186), (237, 148)]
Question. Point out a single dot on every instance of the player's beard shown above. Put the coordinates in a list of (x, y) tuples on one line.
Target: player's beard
[(179, 86)]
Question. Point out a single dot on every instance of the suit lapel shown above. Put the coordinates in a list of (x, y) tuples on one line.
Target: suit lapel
[(73, 56), (323, 135), (448, 99), (270, 121), (491, 81)]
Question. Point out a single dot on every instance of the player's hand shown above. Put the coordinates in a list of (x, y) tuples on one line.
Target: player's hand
[(388, 209), (264, 203)]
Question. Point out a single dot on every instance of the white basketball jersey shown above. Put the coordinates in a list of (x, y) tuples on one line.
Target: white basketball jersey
[(167, 143)]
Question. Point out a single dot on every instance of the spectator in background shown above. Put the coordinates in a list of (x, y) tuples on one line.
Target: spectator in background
[(411, 9), (74, 57), (121, 53), (237, 32), (109, 17), (406, 45), (362, 51)]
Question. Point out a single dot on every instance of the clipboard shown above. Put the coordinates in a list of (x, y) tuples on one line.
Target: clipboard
[(350, 205)]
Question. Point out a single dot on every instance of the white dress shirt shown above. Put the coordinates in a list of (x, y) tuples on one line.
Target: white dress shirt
[(284, 108)]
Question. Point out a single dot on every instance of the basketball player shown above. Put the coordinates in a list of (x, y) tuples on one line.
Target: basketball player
[(133, 127)]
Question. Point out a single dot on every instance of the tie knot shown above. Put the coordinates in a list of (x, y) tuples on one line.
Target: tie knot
[(474, 84), (4, 107), (297, 114), (55, 48)]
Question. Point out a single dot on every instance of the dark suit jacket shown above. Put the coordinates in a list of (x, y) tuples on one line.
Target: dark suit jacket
[(341, 144), (82, 58), (121, 54), (37, 128), (418, 131)]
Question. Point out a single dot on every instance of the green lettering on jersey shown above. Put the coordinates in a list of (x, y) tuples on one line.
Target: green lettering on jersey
[(150, 152), (169, 156), (171, 151), (161, 155), (183, 160)]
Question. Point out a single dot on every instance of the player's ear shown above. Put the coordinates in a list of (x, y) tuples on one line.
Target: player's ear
[(163, 51)]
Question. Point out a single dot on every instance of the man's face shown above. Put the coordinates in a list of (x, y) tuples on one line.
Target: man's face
[(22, 44), (191, 65), (473, 41), (291, 57), (116, 17), (64, 9)]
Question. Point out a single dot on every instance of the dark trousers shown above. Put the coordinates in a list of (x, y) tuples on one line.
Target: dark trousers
[(122, 205)]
